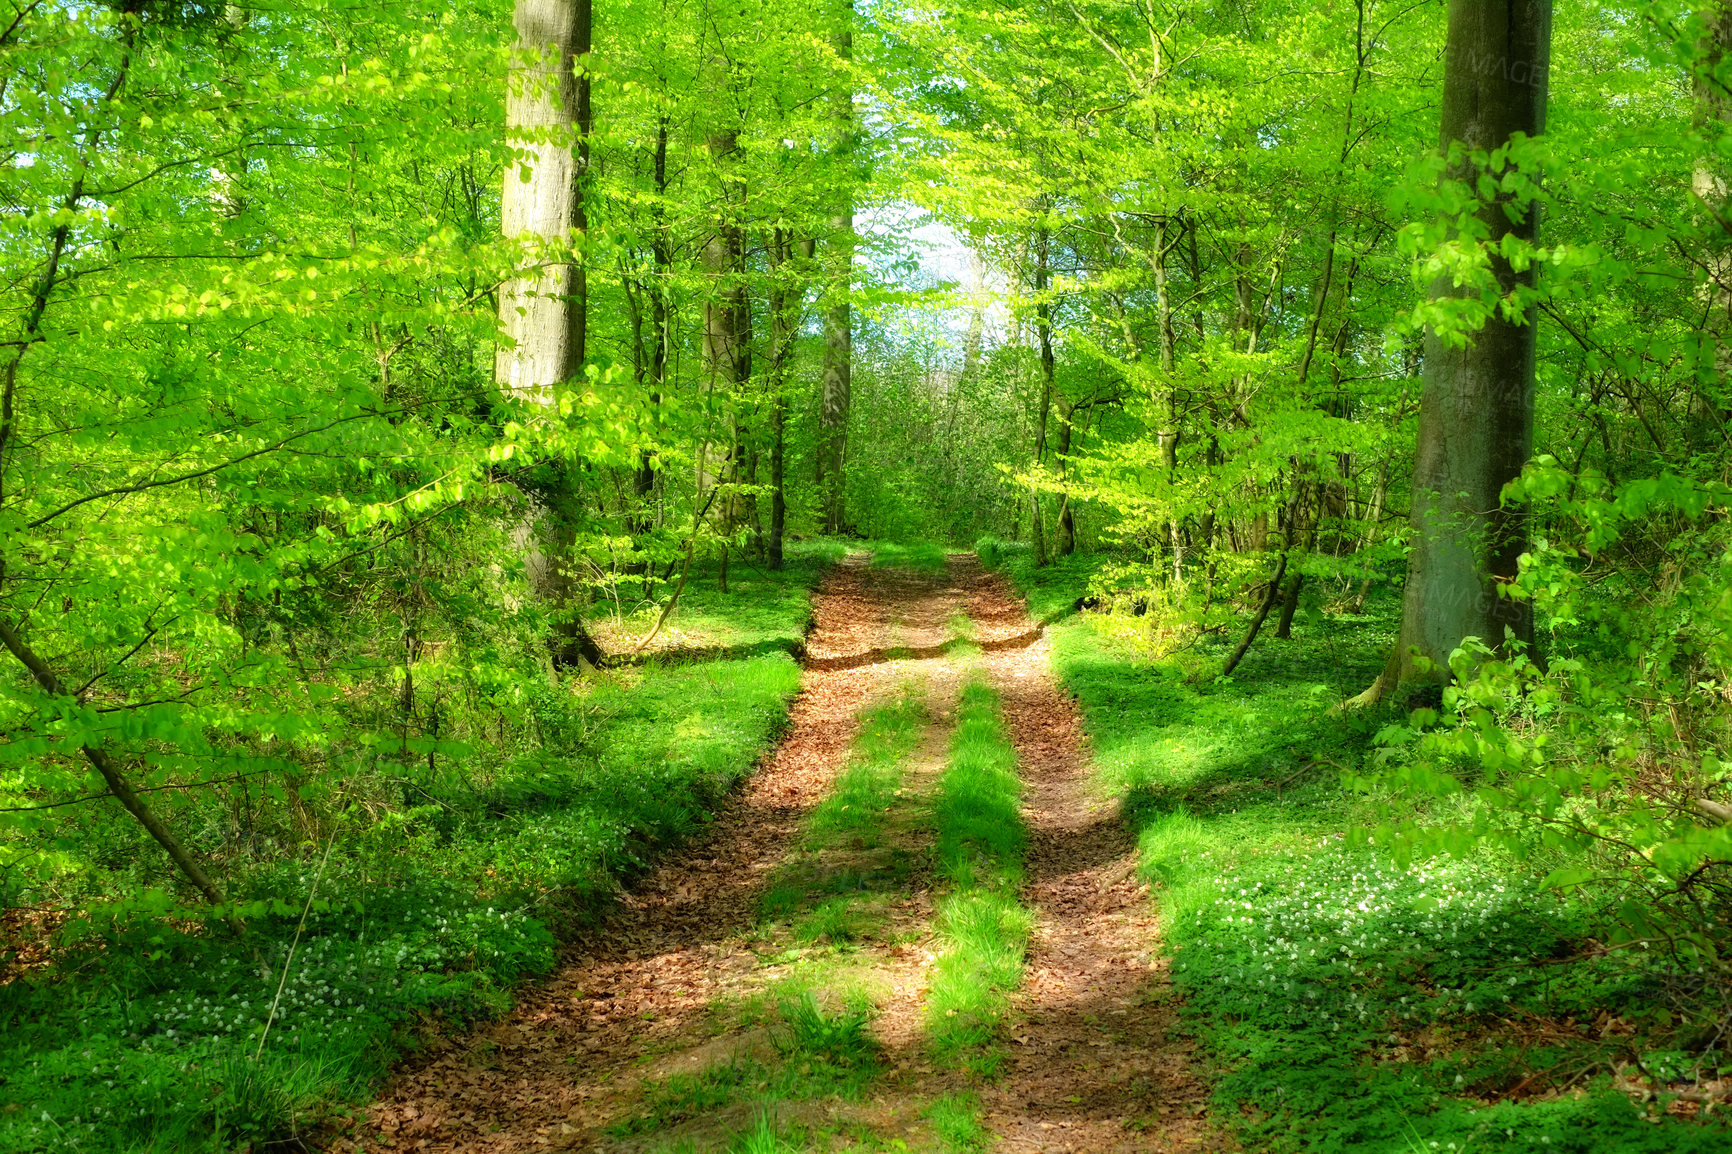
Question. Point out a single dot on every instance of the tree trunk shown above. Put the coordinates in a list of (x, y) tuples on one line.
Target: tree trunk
[(1712, 185), (1289, 606), (1043, 334), (785, 301), (541, 310), (662, 253), (838, 378), (728, 323), (1066, 518), (1273, 593), (1374, 518), (1476, 408), (1168, 438)]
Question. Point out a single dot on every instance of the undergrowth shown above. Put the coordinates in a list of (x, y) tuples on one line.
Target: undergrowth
[(141, 1034), (1344, 1003)]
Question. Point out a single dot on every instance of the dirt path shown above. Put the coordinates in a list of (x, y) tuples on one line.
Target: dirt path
[(1097, 1065), (648, 994), (553, 1072)]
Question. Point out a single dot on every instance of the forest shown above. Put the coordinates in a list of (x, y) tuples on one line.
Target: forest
[(866, 575)]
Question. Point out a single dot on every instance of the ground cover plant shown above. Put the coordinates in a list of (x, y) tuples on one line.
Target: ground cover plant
[(1348, 1001), (151, 1034)]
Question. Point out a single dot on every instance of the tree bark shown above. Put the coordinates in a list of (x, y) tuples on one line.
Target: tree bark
[(785, 297), (1712, 185), (541, 311), (728, 320), (838, 373), (1043, 334), (1476, 408), (1066, 516), (662, 254)]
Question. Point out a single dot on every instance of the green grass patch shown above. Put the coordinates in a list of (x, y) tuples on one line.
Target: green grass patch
[(956, 1122), (835, 889), (819, 1052), (853, 813), (920, 557), (980, 840), (1346, 1004), (143, 1037), (763, 611)]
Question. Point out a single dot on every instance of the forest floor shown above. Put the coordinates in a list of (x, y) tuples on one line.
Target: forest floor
[(792, 980)]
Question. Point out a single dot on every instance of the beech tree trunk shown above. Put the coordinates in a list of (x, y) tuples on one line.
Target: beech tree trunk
[(728, 323), (541, 310), (1476, 408), (1043, 333), (838, 374), (1066, 516), (785, 300)]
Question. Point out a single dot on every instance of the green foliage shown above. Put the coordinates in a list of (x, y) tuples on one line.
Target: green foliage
[(436, 914), (1348, 1002), (1606, 765)]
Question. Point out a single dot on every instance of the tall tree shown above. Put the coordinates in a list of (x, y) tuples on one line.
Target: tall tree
[(1476, 414), (542, 310), (838, 379)]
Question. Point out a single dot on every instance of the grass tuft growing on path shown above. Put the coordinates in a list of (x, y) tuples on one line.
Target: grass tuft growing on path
[(985, 928), (921, 557)]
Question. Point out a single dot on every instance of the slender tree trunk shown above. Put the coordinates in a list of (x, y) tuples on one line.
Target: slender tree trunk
[(1273, 594), (728, 324), (838, 374), (1066, 517), (1476, 408), (1374, 518), (1167, 437), (540, 309), (1262, 615), (785, 301), (118, 785), (1289, 606), (662, 253), (1043, 335)]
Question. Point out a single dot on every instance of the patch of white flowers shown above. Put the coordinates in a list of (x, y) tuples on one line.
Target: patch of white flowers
[(1347, 941), (345, 984)]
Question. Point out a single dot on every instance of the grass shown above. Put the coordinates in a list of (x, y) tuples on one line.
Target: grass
[(762, 611), (1344, 1003), (955, 1120), (142, 1036), (834, 888), (985, 928), (921, 557)]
